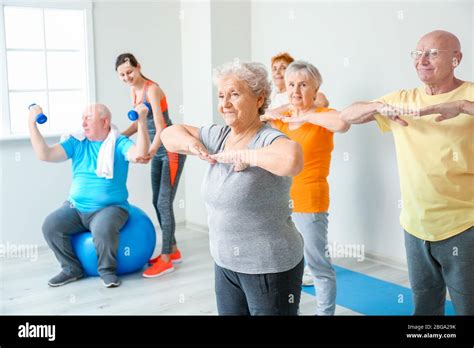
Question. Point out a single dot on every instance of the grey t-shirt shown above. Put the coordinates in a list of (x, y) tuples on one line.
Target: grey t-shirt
[(250, 226)]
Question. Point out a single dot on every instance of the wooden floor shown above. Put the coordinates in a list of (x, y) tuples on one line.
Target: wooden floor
[(187, 291)]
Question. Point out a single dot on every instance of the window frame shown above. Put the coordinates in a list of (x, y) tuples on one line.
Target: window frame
[(87, 8)]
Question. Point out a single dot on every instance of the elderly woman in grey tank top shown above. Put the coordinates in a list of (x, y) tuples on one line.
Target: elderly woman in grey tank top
[(257, 250)]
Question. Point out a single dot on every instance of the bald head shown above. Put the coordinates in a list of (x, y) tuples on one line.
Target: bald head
[(102, 110), (99, 110), (440, 39), (96, 121), (441, 55)]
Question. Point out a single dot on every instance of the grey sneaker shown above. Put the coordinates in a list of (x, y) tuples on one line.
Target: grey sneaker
[(111, 281), (62, 279)]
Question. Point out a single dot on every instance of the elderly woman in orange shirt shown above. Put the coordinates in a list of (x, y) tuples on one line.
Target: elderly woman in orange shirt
[(279, 96), (313, 128)]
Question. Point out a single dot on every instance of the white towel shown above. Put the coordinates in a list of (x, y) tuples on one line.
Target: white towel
[(105, 159)]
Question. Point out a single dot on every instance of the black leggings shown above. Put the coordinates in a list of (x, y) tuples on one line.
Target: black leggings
[(258, 294)]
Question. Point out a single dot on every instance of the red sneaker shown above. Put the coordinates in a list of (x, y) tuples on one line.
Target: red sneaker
[(175, 258), (159, 268)]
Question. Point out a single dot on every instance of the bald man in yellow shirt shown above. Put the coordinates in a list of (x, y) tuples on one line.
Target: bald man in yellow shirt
[(433, 129)]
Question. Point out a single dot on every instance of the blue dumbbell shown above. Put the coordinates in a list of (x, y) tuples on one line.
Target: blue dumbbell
[(133, 115), (40, 118)]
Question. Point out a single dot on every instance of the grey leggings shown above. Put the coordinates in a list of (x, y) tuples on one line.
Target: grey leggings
[(433, 266), (104, 224), (164, 192)]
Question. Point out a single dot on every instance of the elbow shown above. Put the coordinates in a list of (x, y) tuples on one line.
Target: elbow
[(295, 160), (166, 135), (43, 156), (346, 116), (338, 124), (351, 115), (343, 127)]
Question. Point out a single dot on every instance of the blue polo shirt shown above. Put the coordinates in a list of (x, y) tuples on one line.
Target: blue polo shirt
[(88, 192)]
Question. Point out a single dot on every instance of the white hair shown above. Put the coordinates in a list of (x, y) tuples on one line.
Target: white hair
[(254, 74), (307, 68)]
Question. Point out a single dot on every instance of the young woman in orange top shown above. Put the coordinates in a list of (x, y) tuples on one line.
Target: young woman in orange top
[(166, 167)]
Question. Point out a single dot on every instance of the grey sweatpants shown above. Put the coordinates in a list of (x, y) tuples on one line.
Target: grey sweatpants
[(433, 266), (314, 228), (104, 224)]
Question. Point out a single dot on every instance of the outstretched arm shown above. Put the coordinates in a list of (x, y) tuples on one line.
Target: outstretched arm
[(283, 157), (363, 112), (154, 96), (468, 107), (449, 110), (139, 151), (331, 120), (44, 152), (131, 130), (184, 139), (274, 114)]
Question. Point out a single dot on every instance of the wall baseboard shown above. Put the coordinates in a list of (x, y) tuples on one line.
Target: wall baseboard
[(389, 261), (196, 227)]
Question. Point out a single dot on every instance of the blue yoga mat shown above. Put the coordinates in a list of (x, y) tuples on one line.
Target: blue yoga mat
[(371, 296)]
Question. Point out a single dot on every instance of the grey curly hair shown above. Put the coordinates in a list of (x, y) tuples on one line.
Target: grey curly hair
[(254, 74)]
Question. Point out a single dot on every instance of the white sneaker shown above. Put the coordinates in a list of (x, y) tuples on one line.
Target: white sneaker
[(307, 277)]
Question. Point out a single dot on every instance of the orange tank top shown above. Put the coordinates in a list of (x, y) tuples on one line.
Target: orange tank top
[(143, 98)]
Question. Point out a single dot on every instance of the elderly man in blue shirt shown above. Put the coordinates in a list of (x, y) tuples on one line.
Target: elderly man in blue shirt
[(98, 196)]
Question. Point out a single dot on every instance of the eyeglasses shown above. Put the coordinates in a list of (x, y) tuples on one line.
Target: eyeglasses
[(432, 53)]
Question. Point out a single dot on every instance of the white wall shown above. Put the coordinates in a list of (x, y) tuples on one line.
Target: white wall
[(197, 95), (362, 50), (30, 189), (212, 33), (231, 32)]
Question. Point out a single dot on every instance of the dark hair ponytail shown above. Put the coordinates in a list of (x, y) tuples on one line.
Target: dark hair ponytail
[(130, 58)]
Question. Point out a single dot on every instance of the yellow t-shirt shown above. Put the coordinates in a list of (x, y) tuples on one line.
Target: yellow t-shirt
[(435, 164)]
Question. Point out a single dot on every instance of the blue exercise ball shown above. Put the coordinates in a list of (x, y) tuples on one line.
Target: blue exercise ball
[(136, 245)]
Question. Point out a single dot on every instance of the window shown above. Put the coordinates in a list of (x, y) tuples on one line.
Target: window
[(48, 61)]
